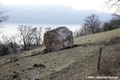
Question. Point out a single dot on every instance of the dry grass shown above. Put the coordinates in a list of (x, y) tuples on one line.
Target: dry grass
[(57, 60), (97, 38), (110, 63), (68, 64)]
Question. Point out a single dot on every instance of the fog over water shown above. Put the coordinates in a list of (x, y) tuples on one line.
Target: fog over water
[(11, 28)]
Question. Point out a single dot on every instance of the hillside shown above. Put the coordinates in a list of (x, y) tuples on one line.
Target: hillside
[(68, 64)]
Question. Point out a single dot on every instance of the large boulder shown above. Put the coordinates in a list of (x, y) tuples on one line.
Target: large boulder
[(58, 38)]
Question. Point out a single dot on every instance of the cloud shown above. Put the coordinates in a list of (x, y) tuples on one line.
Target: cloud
[(76, 4), (50, 14)]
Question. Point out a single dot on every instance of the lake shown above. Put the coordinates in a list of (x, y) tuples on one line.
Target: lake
[(11, 28)]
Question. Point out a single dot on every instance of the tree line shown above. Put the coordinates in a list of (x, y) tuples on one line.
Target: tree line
[(32, 36), (28, 37), (92, 25)]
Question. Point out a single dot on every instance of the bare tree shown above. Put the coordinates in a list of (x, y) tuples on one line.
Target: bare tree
[(113, 4), (27, 35), (77, 33), (11, 42), (3, 17), (81, 32), (114, 23), (92, 24), (85, 30), (38, 36), (5, 39)]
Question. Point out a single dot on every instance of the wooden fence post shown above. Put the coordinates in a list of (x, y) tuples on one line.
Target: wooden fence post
[(99, 59)]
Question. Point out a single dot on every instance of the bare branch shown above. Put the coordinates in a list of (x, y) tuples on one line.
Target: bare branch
[(27, 35), (92, 23), (111, 4), (3, 17)]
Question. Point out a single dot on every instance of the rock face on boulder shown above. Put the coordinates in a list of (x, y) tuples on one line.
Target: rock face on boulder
[(58, 38)]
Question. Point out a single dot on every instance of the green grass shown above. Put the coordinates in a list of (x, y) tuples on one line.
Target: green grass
[(74, 63)]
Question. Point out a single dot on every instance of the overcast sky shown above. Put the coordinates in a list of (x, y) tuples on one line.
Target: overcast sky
[(76, 4)]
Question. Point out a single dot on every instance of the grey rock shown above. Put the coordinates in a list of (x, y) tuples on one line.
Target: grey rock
[(58, 39)]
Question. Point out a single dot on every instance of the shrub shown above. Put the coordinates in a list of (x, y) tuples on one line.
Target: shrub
[(3, 50)]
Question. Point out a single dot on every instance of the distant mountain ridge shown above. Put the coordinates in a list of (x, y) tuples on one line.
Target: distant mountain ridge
[(50, 14)]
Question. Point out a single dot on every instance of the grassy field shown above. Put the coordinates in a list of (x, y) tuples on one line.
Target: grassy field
[(68, 64)]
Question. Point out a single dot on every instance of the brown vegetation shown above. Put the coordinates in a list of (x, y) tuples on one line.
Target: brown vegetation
[(68, 64)]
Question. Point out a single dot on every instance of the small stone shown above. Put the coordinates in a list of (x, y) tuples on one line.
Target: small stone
[(38, 65)]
